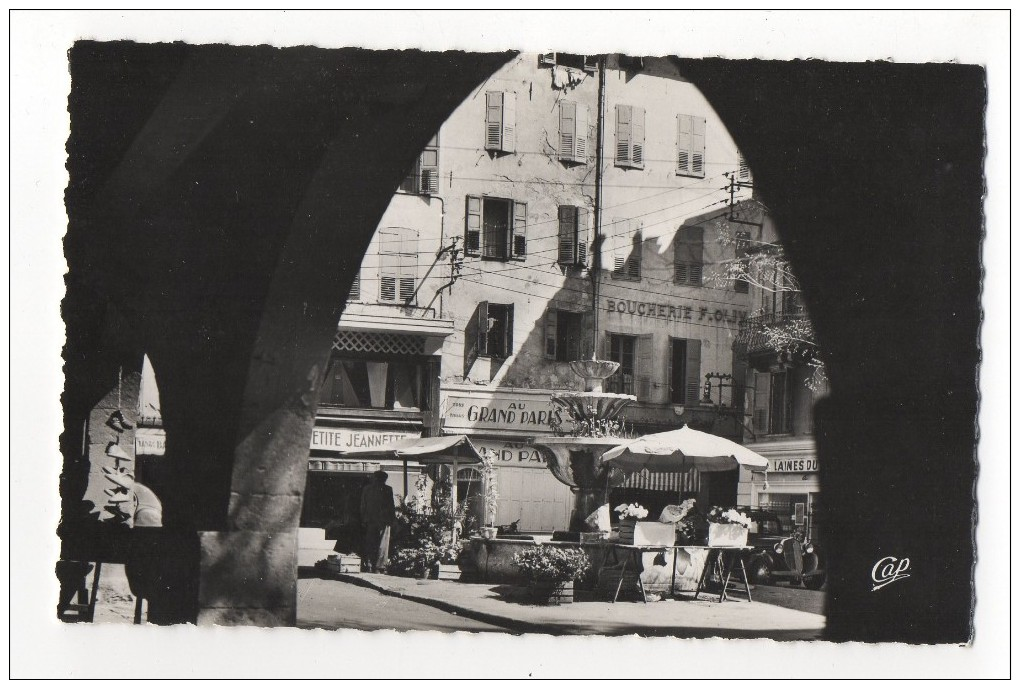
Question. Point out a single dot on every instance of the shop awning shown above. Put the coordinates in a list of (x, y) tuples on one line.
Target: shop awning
[(450, 449)]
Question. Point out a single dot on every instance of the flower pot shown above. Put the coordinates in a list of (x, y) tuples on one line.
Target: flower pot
[(551, 592), (489, 532), (627, 527), (448, 572), (726, 535)]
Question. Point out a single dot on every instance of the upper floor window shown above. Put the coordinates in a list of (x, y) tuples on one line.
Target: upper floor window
[(565, 335), (424, 178), (573, 235), (630, 136), (398, 264), (690, 146), (634, 354), (496, 228), (389, 383), (585, 62), (773, 403), (688, 256), (573, 132), (629, 266), (500, 121), (491, 331), (743, 169)]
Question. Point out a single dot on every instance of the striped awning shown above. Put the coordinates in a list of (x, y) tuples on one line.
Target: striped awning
[(681, 482)]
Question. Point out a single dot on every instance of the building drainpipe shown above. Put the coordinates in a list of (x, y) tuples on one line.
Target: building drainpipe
[(596, 259)]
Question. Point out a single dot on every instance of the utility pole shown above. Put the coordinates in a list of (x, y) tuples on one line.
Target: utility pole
[(596, 258)]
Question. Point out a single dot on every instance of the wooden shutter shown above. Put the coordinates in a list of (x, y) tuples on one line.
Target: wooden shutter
[(482, 336), (698, 146), (581, 135), (494, 121), (643, 367), (473, 226), (587, 339), (688, 256), (683, 144), (567, 232), (508, 329), (509, 122), (637, 144), (428, 174), (518, 231), (550, 334), (760, 418), (743, 169), (568, 131), (623, 134), (582, 236), (355, 293), (388, 288), (693, 372), (739, 371)]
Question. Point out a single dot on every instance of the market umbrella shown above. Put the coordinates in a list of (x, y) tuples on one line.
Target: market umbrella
[(683, 450)]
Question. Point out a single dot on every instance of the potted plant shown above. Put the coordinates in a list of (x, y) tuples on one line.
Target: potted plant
[(447, 569), (550, 572), (629, 516), (491, 496), (727, 527)]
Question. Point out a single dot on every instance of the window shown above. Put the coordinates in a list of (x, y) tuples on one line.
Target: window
[(773, 403), (743, 169), (573, 236), (566, 335), (685, 371), (630, 136), (743, 243), (573, 132), (690, 146), (424, 178), (500, 121), (496, 228), (583, 62), (493, 330), (383, 383), (629, 266), (398, 264), (634, 354), (688, 256)]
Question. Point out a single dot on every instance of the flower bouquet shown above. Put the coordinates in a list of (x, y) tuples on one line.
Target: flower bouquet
[(727, 527), (691, 526), (629, 516)]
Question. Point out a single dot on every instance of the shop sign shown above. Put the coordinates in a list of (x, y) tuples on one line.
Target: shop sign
[(150, 441), (510, 454), (654, 310), (347, 439), (794, 464), (488, 411)]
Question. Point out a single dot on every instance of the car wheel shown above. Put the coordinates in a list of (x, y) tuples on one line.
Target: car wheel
[(814, 582), (761, 573)]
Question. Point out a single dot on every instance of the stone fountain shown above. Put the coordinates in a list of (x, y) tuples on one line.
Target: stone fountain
[(576, 460)]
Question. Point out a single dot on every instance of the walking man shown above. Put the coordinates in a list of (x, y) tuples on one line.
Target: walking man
[(378, 513)]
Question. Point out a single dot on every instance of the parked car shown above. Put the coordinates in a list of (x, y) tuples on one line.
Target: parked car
[(782, 555)]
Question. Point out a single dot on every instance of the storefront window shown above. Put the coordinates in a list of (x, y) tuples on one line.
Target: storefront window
[(621, 350), (387, 384)]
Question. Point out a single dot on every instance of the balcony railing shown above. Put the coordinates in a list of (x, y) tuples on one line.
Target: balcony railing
[(752, 334)]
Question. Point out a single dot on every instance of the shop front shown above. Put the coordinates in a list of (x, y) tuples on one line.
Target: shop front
[(501, 424), (791, 486)]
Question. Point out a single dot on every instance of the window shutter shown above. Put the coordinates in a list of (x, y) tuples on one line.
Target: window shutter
[(388, 288), (428, 182), (760, 419), (698, 146), (739, 380), (518, 233), (587, 341), (509, 331), (568, 228), (581, 135), (568, 131), (623, 134), (683, 144), (688, 256), (473, 226), (582, 236), (494, 121), (643, 367), (482, 337), (743, 169), (355, 293), (693, 373), (637, 153), (509, 121), (407, 286), (696, 241), (550, 334)]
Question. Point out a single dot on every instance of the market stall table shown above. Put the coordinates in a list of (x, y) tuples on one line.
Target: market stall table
[(719, 560)]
